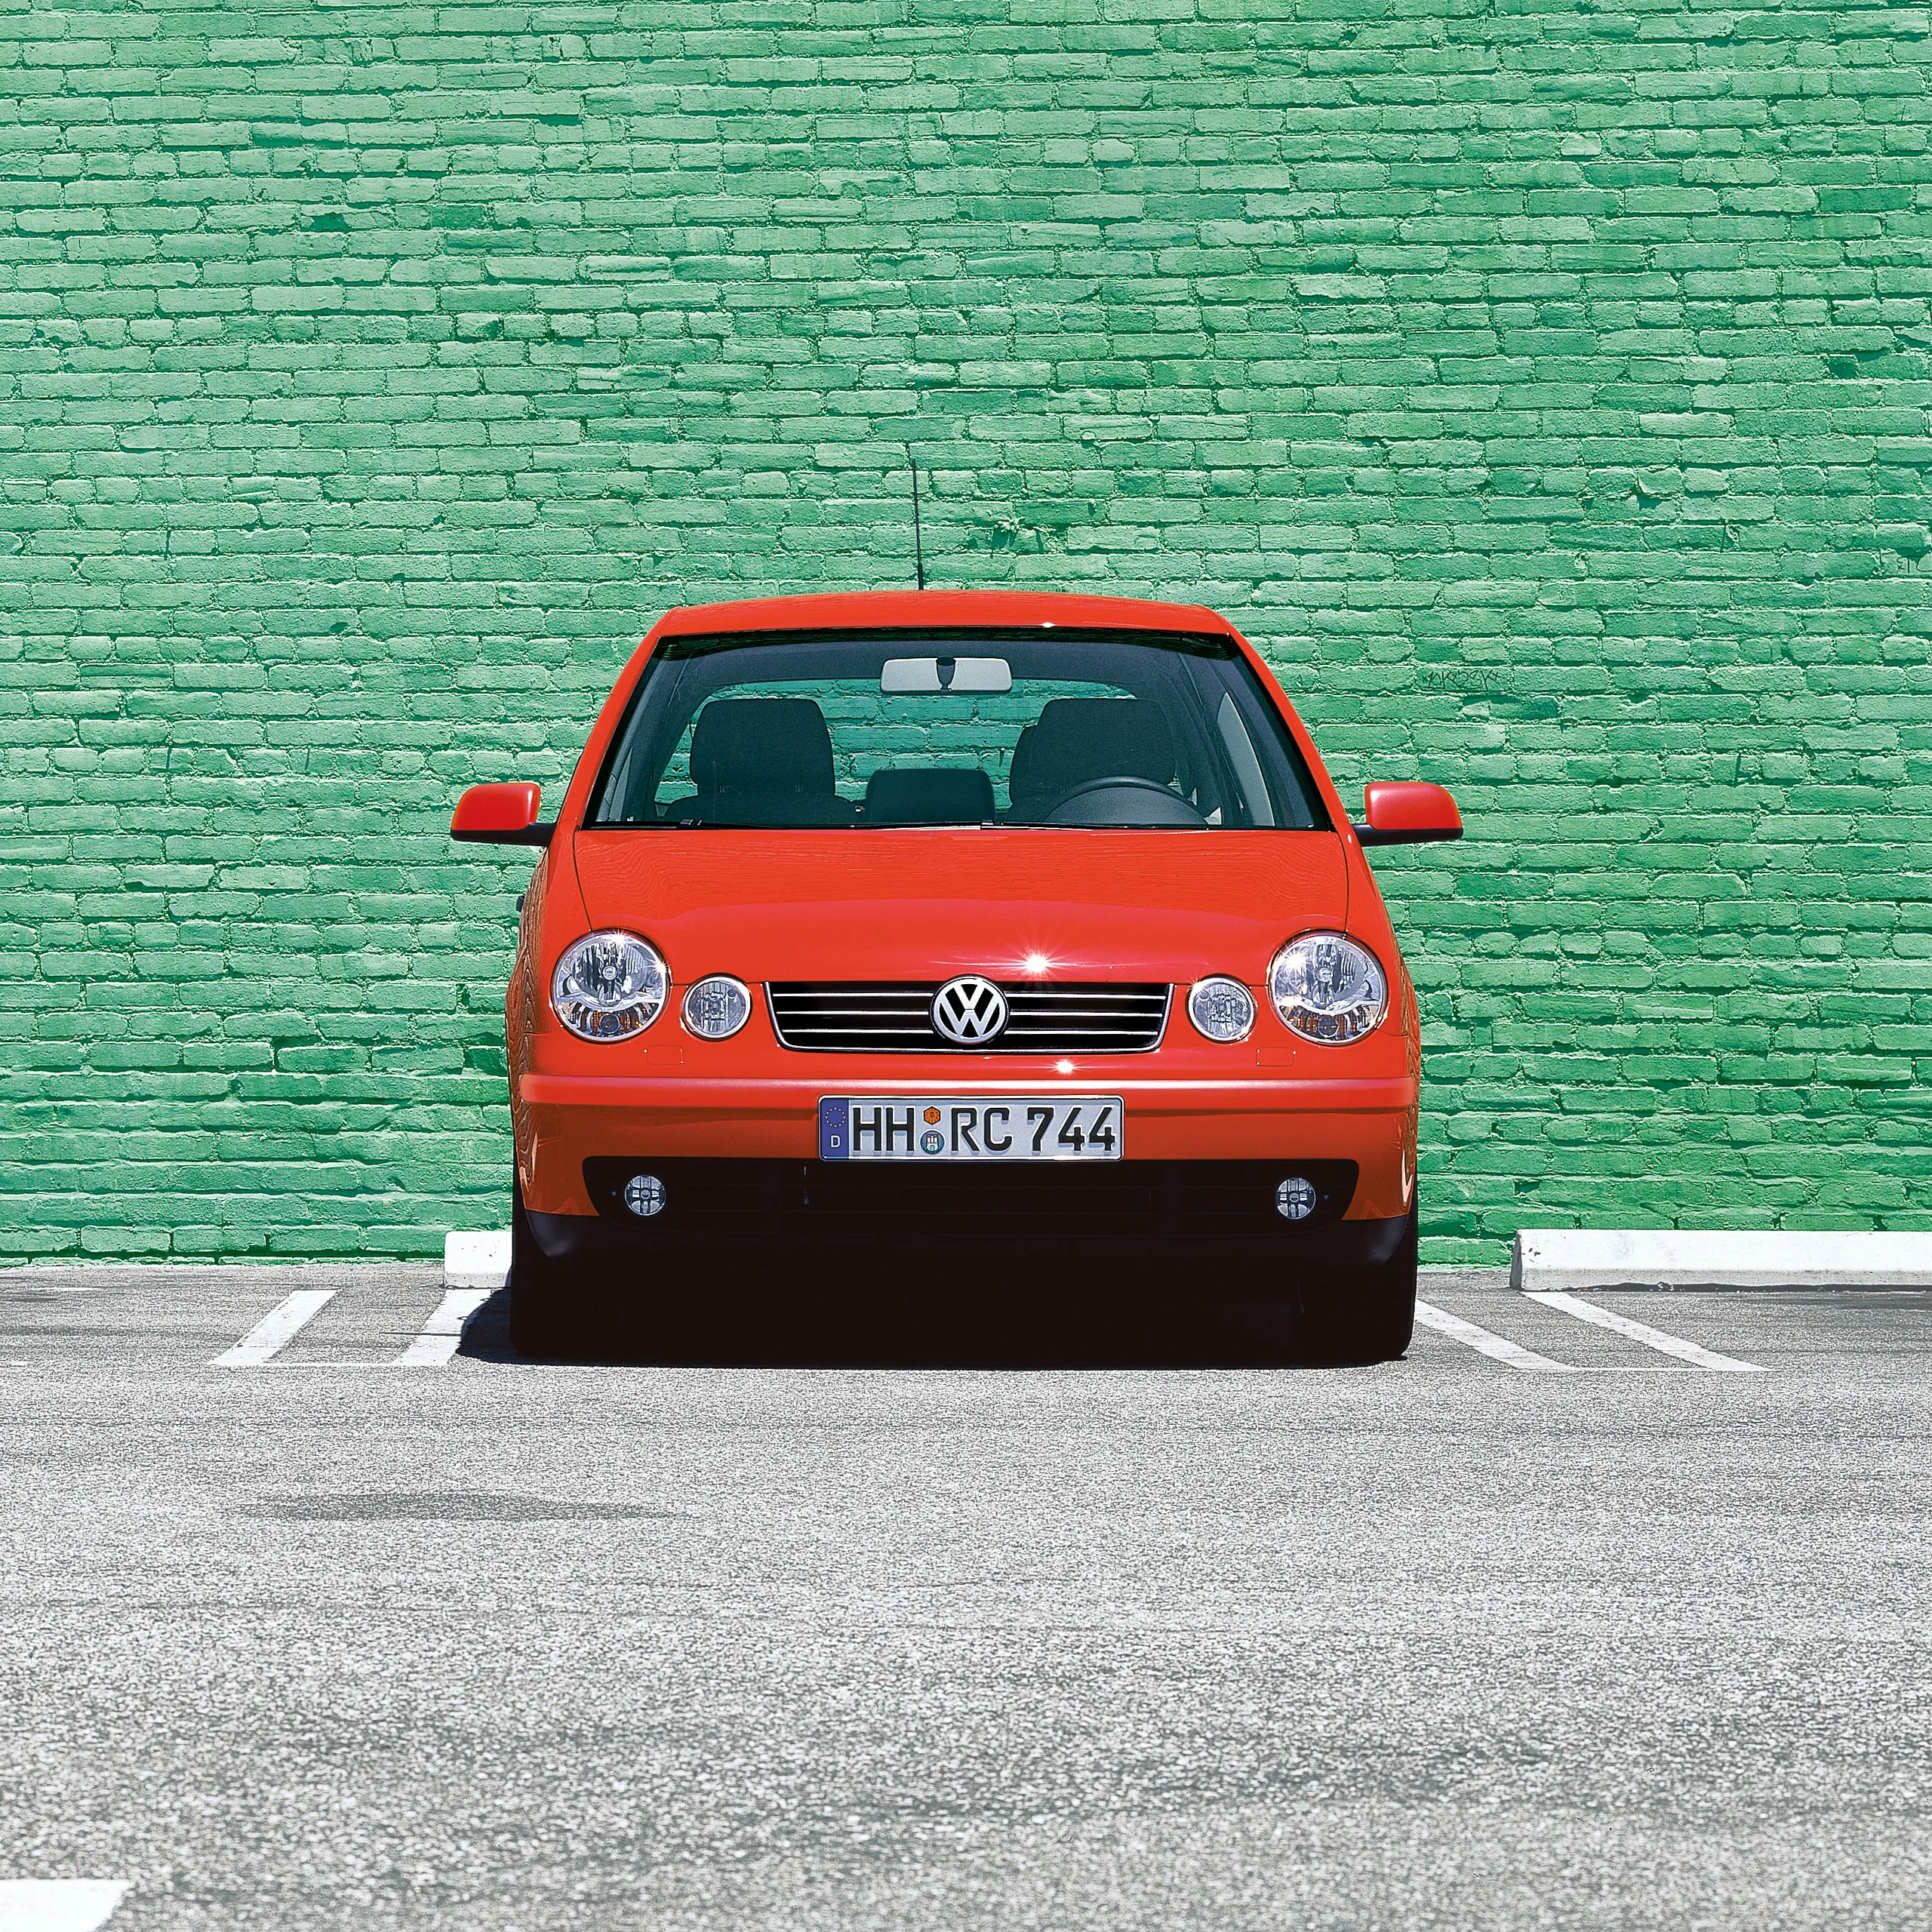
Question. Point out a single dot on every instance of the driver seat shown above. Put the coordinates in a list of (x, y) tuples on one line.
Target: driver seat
[(1076, 739)]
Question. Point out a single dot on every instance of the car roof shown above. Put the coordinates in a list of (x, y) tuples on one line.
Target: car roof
[(912, 609)]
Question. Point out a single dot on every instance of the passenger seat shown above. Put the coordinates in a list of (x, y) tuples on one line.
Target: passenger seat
[(763, 761)]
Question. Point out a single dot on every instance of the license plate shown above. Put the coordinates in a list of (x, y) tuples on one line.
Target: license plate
[(1080, 1126)]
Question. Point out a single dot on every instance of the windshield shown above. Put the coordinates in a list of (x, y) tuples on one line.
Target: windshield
[(985, 727)]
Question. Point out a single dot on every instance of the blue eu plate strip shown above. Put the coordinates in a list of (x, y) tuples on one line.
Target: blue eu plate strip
[(834, 1143)]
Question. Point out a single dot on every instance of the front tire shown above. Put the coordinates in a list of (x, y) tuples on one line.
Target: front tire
[(1370, 1315), (549, 1316)]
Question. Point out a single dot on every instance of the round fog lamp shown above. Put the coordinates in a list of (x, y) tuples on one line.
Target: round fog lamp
[(715, 1008), (1221, 1009), (1295, 1198), (644, 1194)]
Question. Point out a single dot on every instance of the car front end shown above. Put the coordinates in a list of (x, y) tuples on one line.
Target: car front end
[(926, 922)]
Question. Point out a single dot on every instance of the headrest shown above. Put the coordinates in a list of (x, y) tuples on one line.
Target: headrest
[(761, 744), (1076, 739), (929, 797)]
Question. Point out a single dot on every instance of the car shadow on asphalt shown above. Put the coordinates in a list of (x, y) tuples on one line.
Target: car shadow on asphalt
[(1128, 1329)]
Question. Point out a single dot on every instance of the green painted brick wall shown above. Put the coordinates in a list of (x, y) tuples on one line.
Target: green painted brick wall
[(1545, 385)]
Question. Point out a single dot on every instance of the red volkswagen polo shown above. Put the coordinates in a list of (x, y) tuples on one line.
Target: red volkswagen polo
[(936, 921)]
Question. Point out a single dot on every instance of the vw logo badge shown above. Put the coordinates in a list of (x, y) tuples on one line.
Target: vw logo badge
[(969, 1011)]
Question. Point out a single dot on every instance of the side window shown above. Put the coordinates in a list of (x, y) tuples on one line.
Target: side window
[(1248, 766)]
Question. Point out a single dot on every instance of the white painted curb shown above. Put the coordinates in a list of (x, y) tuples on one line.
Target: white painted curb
[(58, 1905), (1572, 1258), (477, 1259)]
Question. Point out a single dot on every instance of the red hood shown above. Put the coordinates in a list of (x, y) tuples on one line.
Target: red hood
[(884, 905)]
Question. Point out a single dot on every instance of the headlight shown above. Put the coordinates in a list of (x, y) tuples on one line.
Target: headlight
[(715, 1008), (1221, 1009), (609, 986), (1327, 988)]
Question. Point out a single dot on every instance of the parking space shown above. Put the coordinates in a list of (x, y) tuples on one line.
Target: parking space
[(382, 1318), (1618, 1333), (963, 1618), (187, 1318)]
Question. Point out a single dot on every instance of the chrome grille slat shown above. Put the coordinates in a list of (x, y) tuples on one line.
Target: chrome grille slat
[(864, 1012), (1086, 1017), (855, 1016), (1032, 991), (1084, 1023)]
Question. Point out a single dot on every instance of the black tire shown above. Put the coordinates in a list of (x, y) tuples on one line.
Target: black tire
[(1370, 1315), (549, 1316)]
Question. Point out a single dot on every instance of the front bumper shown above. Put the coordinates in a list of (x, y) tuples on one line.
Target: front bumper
[(566, 1122), (930, 1215)]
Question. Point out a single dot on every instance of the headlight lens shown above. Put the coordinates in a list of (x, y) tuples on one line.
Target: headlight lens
[(1221, 1009), (715, 1008), (1327, 988), (609, 986)]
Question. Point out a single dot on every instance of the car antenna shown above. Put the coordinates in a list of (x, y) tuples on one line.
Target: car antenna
[(918, 548)]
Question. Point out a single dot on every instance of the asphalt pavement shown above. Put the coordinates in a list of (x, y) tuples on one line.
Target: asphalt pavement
[(906, 1620)]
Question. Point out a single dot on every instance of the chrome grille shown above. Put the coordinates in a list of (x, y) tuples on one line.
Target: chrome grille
[(860, 1016)]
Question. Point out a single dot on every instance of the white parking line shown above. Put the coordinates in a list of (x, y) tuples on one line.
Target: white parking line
[(1637, 1331), (444, 1331), (1484, 1343), (58, 1905), (273, 1333)]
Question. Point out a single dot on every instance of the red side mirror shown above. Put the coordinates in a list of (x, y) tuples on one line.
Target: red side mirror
[(499, 815), (1407, 814)]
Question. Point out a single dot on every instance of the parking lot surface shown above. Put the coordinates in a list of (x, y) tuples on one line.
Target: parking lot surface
[(897, 1620)]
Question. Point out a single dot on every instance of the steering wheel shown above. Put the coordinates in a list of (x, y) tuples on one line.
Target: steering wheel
[(1178, 812)]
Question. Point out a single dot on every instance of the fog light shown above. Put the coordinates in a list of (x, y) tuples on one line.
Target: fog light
[(1294, 1199), (644, 1194)]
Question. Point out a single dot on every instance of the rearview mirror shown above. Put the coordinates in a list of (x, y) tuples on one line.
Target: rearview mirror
[(499, 815), (1407, 814), (959, 677)]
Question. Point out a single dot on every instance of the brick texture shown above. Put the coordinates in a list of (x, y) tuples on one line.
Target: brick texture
[(1545, 386)]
